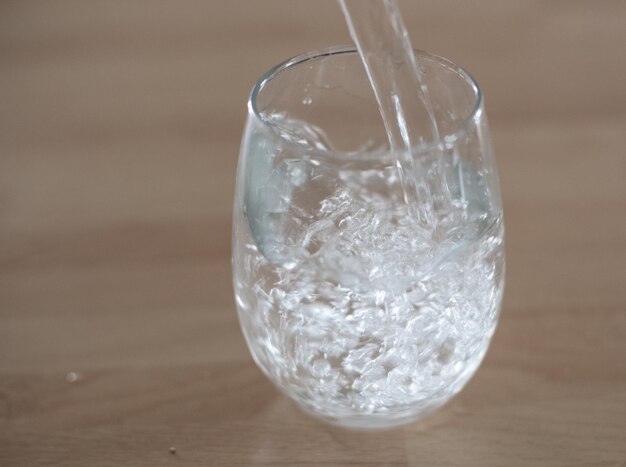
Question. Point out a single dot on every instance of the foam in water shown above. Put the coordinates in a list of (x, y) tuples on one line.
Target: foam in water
[(368, 316)]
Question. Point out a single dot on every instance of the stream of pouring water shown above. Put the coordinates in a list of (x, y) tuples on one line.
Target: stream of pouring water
[(383, 43)]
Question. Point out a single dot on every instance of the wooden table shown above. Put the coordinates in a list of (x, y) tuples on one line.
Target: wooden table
[(119, 131)]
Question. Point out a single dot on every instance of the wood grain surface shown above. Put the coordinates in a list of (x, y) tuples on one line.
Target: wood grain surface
[(120, 124)]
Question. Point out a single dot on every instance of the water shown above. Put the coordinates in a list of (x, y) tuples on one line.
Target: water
[(370, 320), (377, 29), (367, 290)]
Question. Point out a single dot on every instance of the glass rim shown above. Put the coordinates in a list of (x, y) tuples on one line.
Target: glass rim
[(444, 141)]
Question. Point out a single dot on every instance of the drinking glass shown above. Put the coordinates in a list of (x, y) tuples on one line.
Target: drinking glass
[(365, 310)]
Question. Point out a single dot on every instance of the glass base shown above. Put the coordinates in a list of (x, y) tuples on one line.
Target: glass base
[(375, 422)]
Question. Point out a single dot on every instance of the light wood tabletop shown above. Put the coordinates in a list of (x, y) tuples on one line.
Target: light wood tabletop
[(120, 125)]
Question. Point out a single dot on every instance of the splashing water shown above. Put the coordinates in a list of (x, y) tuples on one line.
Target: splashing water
[(370, 317)]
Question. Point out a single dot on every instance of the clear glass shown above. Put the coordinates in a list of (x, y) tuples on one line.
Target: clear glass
[(350, 303)]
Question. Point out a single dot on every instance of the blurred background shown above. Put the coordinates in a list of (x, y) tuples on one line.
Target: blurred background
[(120, 125)]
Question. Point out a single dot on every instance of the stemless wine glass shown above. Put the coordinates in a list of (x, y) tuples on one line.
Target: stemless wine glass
[(364, 313)]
